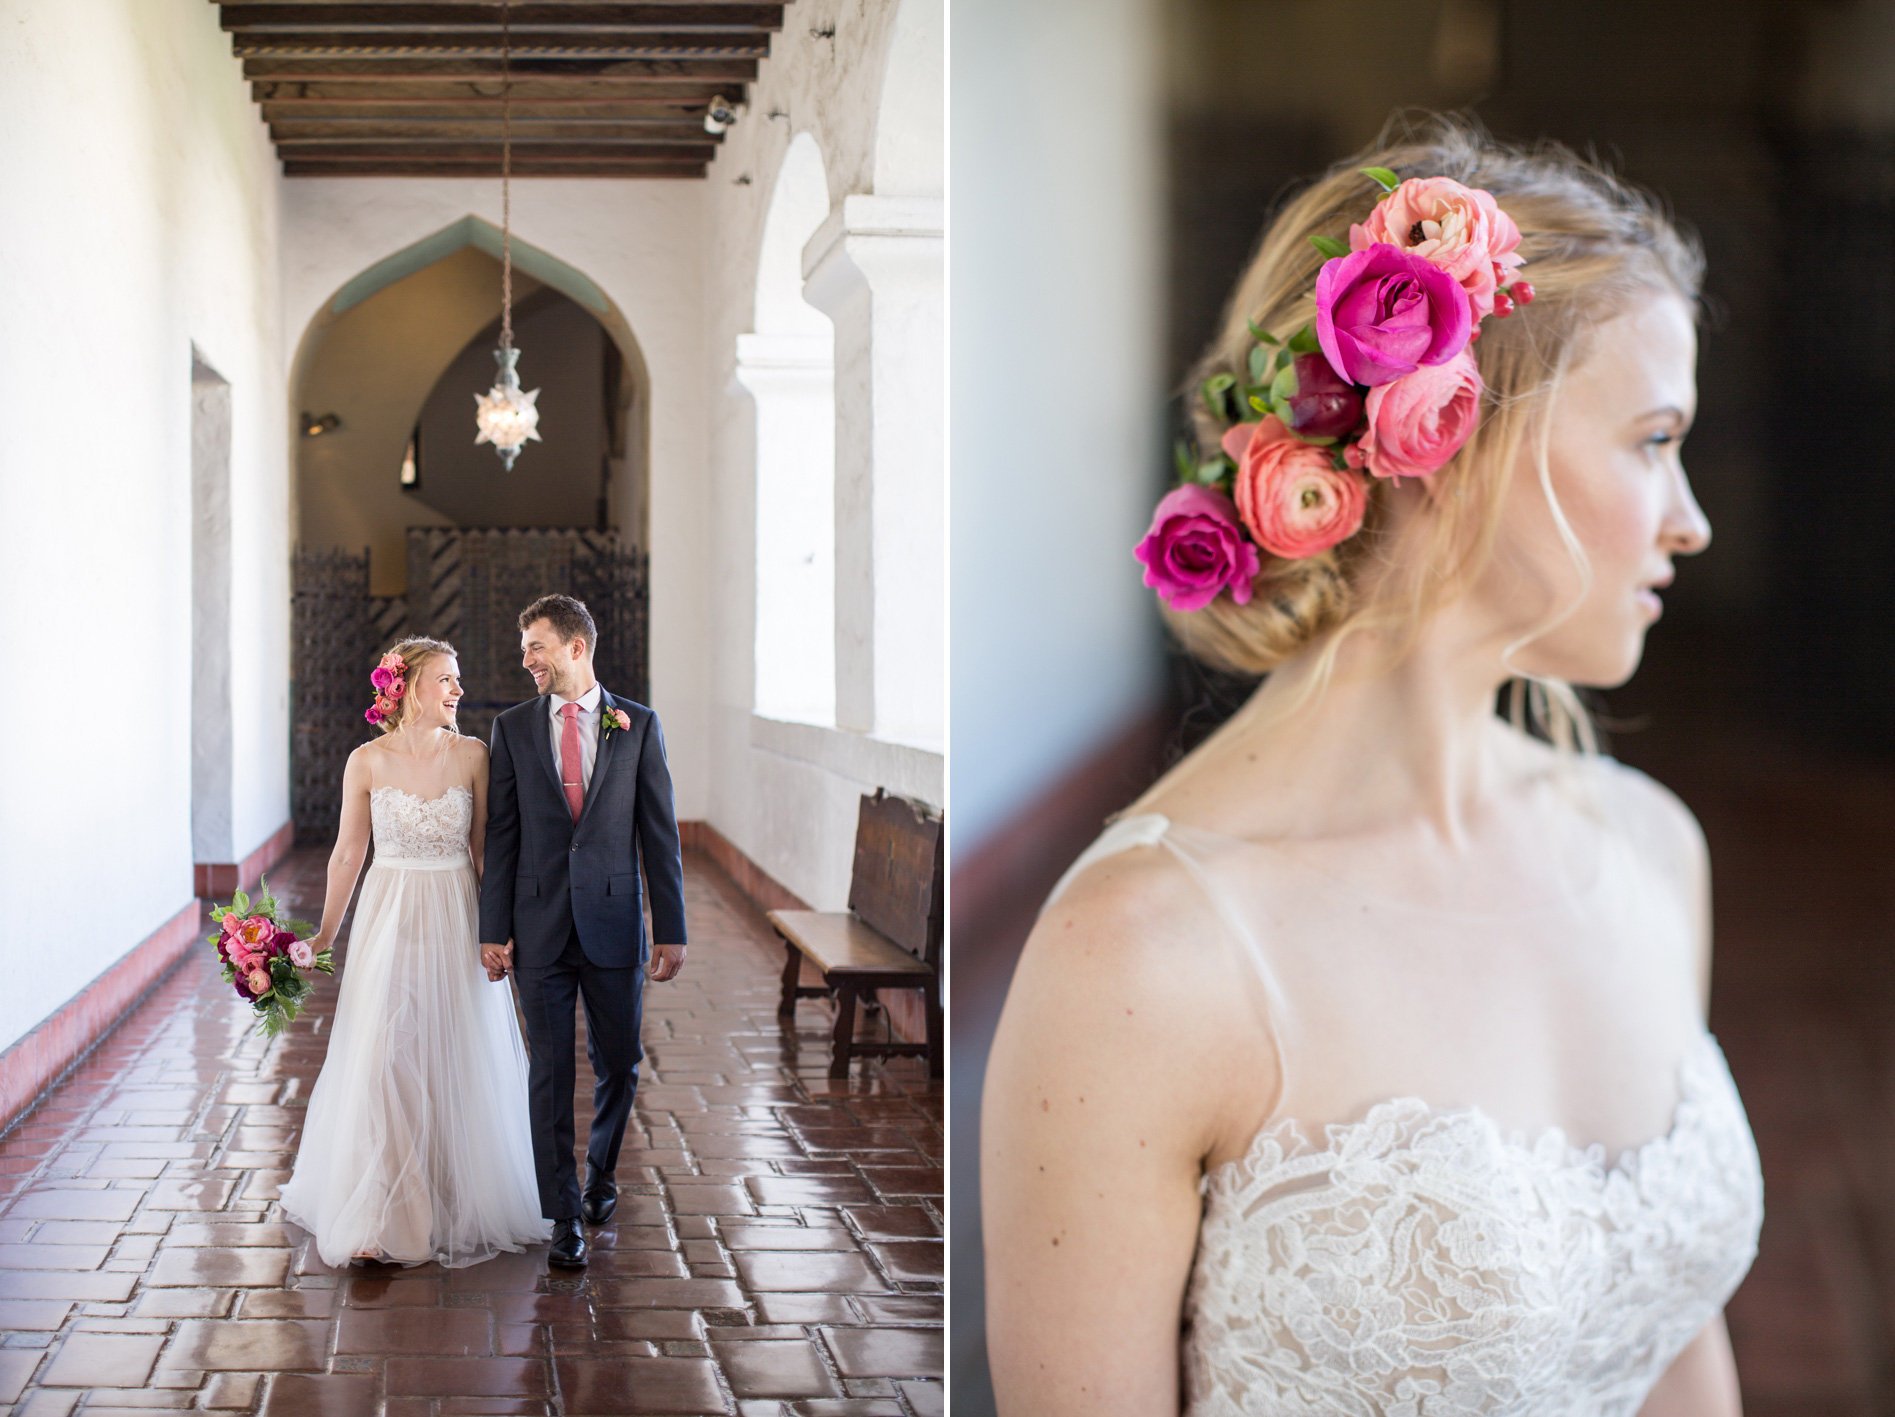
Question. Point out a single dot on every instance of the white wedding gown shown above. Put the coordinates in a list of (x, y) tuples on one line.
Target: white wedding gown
[(417, 1141), (1385, 1247)]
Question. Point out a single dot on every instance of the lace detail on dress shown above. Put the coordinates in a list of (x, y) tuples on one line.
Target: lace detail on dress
[(405, 825), (1422, 1263)]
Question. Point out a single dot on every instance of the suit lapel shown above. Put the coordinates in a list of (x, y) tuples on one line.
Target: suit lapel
[(540, 720), (607, 742)]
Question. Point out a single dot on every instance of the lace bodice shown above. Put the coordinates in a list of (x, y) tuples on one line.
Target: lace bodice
[(1420, 1261), (407, 827)]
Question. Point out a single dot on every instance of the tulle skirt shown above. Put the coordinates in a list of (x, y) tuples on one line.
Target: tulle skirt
[(417, 1141)]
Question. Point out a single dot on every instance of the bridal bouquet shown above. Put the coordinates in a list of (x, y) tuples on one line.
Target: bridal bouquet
[(265, 959)]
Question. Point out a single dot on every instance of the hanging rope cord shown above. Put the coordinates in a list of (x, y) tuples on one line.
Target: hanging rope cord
[(506, 175)]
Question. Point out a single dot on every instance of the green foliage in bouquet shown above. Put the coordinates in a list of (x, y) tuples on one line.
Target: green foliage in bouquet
[(265, 957)]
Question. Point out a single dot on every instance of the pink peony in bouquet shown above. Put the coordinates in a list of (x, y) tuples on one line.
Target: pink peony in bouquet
[(265, 958)]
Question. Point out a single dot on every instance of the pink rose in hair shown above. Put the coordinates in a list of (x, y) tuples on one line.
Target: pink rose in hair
[(1420, 421), (1290, 495), (373, 714), (382, 676), (1382, 313), (1460, 229), (301, 954), (1195, 550)]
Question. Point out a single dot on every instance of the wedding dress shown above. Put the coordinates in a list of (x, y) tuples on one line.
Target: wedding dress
[(417, 1141), (1393, 1243)]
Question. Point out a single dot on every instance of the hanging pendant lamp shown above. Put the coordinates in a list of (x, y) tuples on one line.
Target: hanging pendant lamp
[(506, 415)]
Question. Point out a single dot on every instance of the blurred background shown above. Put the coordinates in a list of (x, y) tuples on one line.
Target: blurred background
[(1114, 162)]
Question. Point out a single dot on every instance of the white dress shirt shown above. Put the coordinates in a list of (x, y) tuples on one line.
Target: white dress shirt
[(588, 730)]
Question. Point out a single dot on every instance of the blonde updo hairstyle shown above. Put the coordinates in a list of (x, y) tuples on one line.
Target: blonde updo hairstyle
[(1592, 244), (415, 653)]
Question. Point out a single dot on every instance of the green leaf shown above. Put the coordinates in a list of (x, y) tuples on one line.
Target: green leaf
[(1259, 404), (1329, 246), (1304, 341), (240, 903), (1181, 460), (1259, 334), (1283, 358), (299, 928), (1213, 472), (1258, 362), (1284, 386), (1318, 442), (1388, 180), (1213, 390)]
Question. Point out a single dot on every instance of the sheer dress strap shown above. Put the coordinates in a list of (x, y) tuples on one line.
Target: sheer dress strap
[(1191, 848)]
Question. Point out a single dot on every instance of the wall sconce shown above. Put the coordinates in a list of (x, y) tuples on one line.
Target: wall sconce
[(315, 427)]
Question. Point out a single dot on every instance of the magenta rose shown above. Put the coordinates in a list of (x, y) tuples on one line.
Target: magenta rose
[(1382, 313), (1460, 229), (281, 941), (1323, 406), (1195, 549), (1421, 420), (1290, 495), (373, 713), (382, 676)]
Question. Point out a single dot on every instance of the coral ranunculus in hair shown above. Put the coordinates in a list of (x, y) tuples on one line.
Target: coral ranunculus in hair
[(1194, 550), (1295, 502), (1419, 422)]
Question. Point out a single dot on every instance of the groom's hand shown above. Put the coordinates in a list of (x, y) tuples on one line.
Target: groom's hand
[(666, 961), (497, 960)]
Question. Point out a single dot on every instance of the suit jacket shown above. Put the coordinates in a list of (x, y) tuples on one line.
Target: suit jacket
[(546, 874)]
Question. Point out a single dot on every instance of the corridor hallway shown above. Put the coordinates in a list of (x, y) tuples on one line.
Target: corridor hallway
[(777, 1246)]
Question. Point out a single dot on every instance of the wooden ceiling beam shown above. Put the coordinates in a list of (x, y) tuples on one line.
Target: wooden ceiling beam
[(409, 167), (682, 45), (657, 115), (486, 154), (488, 127), (718, 14), (637, 93), (448, 70)]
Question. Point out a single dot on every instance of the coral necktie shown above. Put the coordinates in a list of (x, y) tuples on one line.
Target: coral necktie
[(571, 777)]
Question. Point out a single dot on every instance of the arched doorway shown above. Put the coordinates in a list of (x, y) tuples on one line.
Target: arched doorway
[(404, 526)]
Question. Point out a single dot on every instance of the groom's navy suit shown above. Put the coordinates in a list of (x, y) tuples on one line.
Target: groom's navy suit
[(567, 894)]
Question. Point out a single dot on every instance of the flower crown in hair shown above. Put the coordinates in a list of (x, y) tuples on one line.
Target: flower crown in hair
[(1383, 382), (390, 679)]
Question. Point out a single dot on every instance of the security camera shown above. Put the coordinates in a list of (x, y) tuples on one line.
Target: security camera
[(721, 114)]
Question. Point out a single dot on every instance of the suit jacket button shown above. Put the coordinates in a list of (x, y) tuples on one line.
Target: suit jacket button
[(572, 848)]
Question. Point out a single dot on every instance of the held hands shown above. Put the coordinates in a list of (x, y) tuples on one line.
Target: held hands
[(666, 961), (497, 960)]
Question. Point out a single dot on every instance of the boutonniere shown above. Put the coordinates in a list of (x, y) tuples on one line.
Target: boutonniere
[(613, 719)]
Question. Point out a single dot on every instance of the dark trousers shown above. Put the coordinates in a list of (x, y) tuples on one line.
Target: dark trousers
[(614, 1000)]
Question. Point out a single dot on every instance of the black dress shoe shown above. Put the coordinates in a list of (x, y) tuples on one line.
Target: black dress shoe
[(569, 1245), (600, 1200)]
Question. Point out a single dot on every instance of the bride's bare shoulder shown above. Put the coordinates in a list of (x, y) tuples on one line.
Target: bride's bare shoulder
[(1655, 817), (470, 750)]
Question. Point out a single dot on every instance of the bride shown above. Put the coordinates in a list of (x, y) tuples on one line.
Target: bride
[(1361, 1066), (416, 1144)]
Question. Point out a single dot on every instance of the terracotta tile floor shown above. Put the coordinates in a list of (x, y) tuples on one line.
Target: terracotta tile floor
[(777, 1247)]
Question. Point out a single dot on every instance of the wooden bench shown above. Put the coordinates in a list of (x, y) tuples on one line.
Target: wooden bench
[(890, 936)]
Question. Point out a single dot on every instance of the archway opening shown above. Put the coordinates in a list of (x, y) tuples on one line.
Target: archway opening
[(405, 526)]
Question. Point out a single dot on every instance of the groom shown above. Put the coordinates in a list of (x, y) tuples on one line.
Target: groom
[(578, 792)]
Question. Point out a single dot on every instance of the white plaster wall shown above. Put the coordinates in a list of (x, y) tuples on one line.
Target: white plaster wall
[(1058, 397), (642, 243), (141, 219), (786, 794)]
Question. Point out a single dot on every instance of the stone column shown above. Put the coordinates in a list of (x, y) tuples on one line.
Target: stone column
[(875, 268)]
